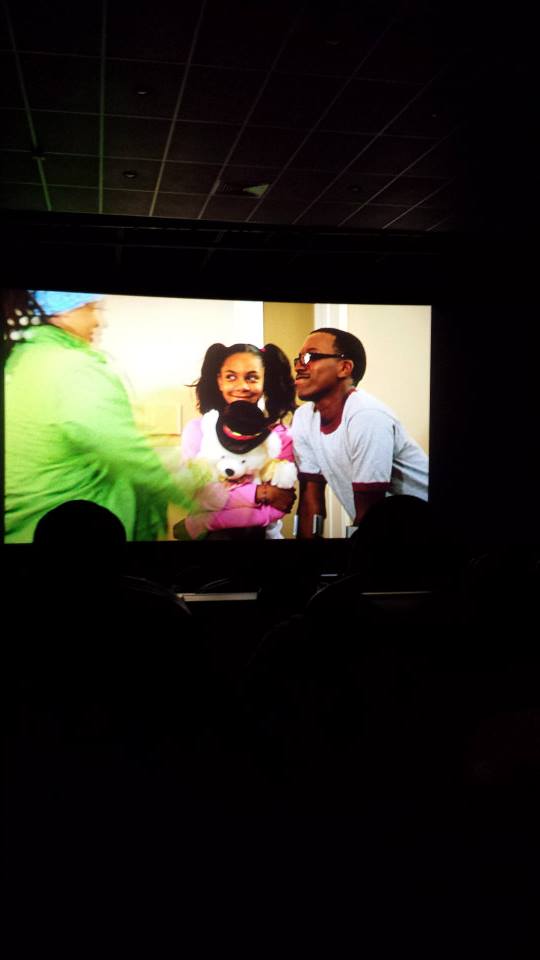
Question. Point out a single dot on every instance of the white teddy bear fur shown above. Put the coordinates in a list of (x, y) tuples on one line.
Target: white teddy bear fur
[(261, 463)]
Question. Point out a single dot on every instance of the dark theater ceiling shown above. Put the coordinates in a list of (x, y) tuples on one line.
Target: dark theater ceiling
[(386, 117)]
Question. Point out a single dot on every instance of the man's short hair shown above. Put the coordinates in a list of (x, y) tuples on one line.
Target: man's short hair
[(352, 347)]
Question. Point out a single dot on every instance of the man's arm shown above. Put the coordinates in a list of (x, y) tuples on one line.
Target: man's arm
[(311, 503), (364, 500), (371, 436)]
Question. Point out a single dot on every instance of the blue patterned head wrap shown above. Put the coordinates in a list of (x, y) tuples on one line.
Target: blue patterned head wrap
[(53, 302)]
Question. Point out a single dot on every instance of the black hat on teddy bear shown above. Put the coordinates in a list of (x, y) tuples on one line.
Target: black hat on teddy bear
[(241, 427)]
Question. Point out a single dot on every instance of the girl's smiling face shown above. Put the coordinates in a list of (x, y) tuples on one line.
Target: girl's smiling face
[(241, 378)]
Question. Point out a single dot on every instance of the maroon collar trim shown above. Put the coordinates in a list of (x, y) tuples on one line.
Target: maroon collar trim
[(332, 425)]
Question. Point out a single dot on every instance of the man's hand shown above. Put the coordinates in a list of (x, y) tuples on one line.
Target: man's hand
[(312, 503), (276, 497)]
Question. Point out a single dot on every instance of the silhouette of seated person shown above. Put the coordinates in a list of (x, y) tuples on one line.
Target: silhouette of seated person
[(80, 550), (396, 546), (397, 569), (110, 698), (330, 685), (95, 632)]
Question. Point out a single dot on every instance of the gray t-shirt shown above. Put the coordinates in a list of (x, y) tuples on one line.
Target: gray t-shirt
[(368, 450)]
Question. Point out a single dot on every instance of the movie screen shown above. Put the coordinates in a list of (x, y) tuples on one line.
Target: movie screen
[(140, 405)]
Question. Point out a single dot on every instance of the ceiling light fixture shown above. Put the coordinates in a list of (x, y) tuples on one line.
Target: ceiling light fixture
[(130, 174), (225, 188), (257, 189)]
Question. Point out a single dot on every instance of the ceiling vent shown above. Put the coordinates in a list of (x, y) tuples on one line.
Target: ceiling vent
[(229, 188)]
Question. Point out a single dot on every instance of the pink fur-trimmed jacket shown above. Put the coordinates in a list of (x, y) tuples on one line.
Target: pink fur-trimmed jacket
[(240, 509)]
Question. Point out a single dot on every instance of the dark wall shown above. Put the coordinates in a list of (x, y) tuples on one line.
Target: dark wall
[(485, 420)]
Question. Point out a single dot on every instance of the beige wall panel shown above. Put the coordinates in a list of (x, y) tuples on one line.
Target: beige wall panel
[(397, 340), (287, 325)]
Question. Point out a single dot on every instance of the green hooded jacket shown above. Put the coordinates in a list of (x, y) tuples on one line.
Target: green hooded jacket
[(70, 435)]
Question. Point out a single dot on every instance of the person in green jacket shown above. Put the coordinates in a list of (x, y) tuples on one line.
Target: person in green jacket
[(69, 427)]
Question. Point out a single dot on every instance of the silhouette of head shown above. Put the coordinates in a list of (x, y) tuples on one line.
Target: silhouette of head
[(81, 536), (396, 540)]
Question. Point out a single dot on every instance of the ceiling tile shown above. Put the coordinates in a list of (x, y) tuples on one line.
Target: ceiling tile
[(329, 151), (326, 214), (295, 101), (18, 196), (266, 145), (418, 219), (139, 88), (228, 208), (67, 132), (413, 50), (206, 142), (218, 95), (476, 114), (10, 88), (18, 166), (375, 216), (130, 202), (146, 174), (242, 34), (367, 105), (409, 190), (58, 26), (356, 186), (451, 222), (245, 174), (72, 171), (73, 200), (161, 30), (62, 83), (189, 177), (127, 137), (15, 131), (434, 114), (277, 209), (303, 185), (453, 196), (332, 39), (448, 159), (177, 205), (391, 155)]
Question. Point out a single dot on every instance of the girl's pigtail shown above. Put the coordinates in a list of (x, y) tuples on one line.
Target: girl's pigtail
[(279, 392), (208, 394)]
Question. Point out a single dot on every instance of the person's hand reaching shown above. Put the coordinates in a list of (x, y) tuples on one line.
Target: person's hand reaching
[(276, 497)]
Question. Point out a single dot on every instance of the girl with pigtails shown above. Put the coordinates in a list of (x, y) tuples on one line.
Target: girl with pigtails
[(259, 376)]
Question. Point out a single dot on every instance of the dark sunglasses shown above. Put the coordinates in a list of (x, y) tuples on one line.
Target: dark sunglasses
[(304, 358)]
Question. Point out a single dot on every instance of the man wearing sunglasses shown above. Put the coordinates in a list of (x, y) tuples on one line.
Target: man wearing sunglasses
[(345, 436)]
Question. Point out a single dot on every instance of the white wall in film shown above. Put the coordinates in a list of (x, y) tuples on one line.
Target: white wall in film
[(160, 342), (157, 345)]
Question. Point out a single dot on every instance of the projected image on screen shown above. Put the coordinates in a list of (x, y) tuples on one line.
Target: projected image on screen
[(212, 419)]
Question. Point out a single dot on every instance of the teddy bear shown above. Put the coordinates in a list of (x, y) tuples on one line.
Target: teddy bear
[(239, 445), (239, 442)]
